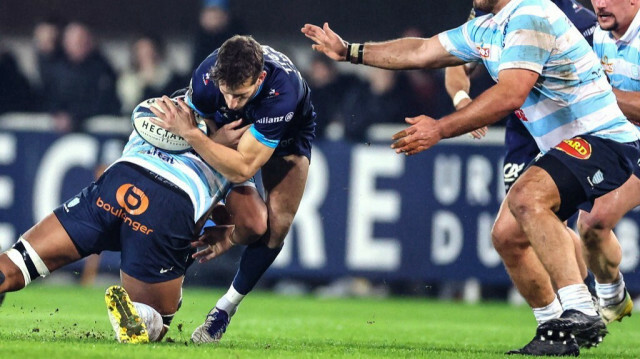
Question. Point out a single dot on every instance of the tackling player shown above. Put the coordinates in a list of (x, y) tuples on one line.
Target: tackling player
[(260, 85), (149, 205), (546, 71)]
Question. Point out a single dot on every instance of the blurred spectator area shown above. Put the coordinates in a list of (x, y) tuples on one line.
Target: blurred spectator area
[(117, 24), (278, 23)]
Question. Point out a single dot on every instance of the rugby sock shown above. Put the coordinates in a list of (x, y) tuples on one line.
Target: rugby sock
[(151, 318), (611, 293), (256, 259), (590, 282), (230, 301), (577, 297), (551, 311)]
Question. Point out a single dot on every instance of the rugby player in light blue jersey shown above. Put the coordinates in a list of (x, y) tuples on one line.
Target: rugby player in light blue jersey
[(150, 205), (548, 74), (616, 42), (603, 249), (521, 149)]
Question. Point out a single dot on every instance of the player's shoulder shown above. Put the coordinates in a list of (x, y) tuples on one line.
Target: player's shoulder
[(281, 71), (532, 15), (533, 10)]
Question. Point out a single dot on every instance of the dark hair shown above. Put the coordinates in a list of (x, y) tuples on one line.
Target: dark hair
[(240, 59)]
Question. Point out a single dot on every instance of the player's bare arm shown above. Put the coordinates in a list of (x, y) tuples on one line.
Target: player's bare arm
[(629, 102), (401, 54), (230, 134), (498, 101), (456, 80), (236, 165), (458, 85)]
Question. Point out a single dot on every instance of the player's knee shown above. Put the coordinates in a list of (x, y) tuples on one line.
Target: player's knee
[(522, 203), (502, 237), (593, 230), (590, 224), (279, 227), (252, 226), (28, 265), (508, 238)]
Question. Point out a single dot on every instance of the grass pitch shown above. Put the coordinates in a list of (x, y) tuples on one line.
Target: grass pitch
[(71, 322)]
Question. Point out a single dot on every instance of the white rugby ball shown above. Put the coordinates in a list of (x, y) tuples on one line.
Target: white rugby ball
[(156, 135)]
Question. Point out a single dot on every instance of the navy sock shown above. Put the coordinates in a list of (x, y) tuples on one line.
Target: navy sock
[(256, 259), (590, 281)]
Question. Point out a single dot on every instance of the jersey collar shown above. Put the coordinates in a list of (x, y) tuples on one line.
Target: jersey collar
[(632, 31), (503, 15), (259, 89)]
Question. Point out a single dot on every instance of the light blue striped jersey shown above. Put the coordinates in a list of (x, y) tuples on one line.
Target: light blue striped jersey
[(204, 185), (620, 58), (571, 97)]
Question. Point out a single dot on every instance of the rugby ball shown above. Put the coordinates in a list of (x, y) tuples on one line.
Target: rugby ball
[(155, 135)]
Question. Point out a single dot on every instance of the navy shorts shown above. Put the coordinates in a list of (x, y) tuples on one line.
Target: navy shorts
[(299, 145), (587, 167), (522, 149), (132, 210)]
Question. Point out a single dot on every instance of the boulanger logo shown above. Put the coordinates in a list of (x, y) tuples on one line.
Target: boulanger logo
[(576, 147), (132, 199)]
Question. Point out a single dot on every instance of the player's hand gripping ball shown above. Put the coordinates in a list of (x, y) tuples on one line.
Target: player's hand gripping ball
[(157, 136)]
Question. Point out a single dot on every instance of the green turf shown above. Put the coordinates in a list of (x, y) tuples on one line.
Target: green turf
[(71, 322)]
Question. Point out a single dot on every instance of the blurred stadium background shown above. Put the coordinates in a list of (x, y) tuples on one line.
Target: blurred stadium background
[(371, 223)]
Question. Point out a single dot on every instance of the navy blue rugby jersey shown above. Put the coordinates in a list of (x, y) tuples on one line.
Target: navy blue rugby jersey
[(280, 113)]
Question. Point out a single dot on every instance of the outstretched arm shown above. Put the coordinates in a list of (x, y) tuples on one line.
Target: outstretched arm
[(401, 54), (498, 101)]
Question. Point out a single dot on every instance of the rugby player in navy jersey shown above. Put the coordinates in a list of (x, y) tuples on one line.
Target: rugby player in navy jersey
[(261, 86), (149, 205), (546, 71)]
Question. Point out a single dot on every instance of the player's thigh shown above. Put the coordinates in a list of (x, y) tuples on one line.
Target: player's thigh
[(587, 167), (162, 296), (52, 243), (284, 180), (534, 190)]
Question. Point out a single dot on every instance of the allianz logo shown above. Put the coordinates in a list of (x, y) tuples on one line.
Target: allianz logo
[(271, 119)]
